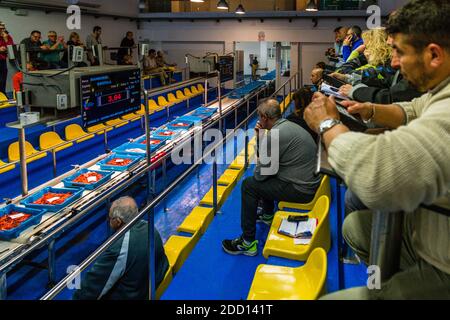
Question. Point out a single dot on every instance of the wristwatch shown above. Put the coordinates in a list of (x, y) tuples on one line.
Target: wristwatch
[(327, 124)]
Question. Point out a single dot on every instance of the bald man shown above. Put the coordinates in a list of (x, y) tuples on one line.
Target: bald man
[(288, 175), (316, 77), (121, 272)]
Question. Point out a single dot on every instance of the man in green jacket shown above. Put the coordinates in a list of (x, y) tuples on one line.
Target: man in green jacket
[(406, 167), (121, 272)]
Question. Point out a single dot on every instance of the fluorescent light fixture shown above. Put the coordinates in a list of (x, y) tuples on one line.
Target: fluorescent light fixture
[(240, 9), (223, 5), (311, 6), (199, 1)]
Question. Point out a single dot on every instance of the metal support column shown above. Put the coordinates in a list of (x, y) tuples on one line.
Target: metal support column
[(206, 91), (152, 257), (386, 241), (3, 287), (23, 162), (215, 204), (54, 163), (219, 93), (51, 263), (164, 178), (147, 144)]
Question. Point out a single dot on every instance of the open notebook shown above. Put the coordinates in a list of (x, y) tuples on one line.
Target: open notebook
[(301, 230)]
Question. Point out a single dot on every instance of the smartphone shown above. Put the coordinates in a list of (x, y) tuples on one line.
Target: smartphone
[(297, 218)]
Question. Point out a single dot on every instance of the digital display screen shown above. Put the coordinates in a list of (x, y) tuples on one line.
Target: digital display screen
[(226, 68), (109, 96)]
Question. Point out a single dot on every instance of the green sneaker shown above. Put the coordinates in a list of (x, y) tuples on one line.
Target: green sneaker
[(238, 246)]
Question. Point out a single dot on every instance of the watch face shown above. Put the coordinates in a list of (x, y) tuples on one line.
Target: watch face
[(326, 124)]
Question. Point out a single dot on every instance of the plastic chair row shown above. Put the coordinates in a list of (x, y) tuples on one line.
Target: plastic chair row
[(302, 283), (178, 247)]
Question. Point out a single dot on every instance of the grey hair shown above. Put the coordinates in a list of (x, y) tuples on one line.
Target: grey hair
[(124, 208), (270, 108)]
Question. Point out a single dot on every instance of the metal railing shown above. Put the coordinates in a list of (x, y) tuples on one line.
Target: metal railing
[(149, 208), (53, 150)]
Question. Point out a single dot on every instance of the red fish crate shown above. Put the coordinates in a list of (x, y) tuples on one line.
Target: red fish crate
[(13, 220), (153, 142), (180, 124), (51, 198), (88, 178), (119, 162), (166, 133)]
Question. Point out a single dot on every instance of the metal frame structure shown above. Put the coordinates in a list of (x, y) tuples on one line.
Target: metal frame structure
[(49, 230), (149, 208)]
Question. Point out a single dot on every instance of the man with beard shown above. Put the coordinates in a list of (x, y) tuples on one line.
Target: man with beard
[(403, 168)]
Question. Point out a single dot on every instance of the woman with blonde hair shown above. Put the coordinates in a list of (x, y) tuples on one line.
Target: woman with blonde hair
[(74, 40)]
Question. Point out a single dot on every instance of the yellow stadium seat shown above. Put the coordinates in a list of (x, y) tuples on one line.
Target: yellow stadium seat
[(7, 168), (116, 123), (238, 163), (200, 88), (188, 92), (198, 220), (230, 177), (180, 95), (283, 246), (165, 283), (4, 101), (178, 248), (222, 194), (194, 90), (74, 131), (172, 98), (131, 117), (285, 283), (48, 140), (153, 106), (98, 127), (323, 190), (162, 102), (14, 153)]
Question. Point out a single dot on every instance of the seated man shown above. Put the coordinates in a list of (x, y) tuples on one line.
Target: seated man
[(151, 66), (284, 176), (316, 78), (403, 168), (121, 272)]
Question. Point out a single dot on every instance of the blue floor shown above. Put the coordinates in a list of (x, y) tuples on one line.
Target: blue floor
[(211, 274)]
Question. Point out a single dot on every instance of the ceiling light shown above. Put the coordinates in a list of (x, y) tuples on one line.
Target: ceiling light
[(223, 5), (311, 6), (198, 1), (240, 9)]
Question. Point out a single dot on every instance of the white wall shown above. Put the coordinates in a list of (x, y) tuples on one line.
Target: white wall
[(113, 30), (207, 33), (249, 48)]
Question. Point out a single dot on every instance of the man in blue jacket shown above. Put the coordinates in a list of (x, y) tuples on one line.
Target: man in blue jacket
[(121, 272), (352, 42)]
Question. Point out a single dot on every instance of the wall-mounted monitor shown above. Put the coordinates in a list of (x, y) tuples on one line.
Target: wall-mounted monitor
[(109, 95), (225, 65)]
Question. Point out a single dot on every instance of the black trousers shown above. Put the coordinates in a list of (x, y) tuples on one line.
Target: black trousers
[(268, 192), (3, 75)]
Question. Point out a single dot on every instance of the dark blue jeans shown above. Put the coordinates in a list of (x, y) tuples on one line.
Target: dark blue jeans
[(268, 192)]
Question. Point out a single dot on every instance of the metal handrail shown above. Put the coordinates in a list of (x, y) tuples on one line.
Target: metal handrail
[(102, 130), (61, 285)]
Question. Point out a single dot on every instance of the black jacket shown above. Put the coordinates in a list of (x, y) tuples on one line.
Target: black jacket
[(400, 92), (121, 272)]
